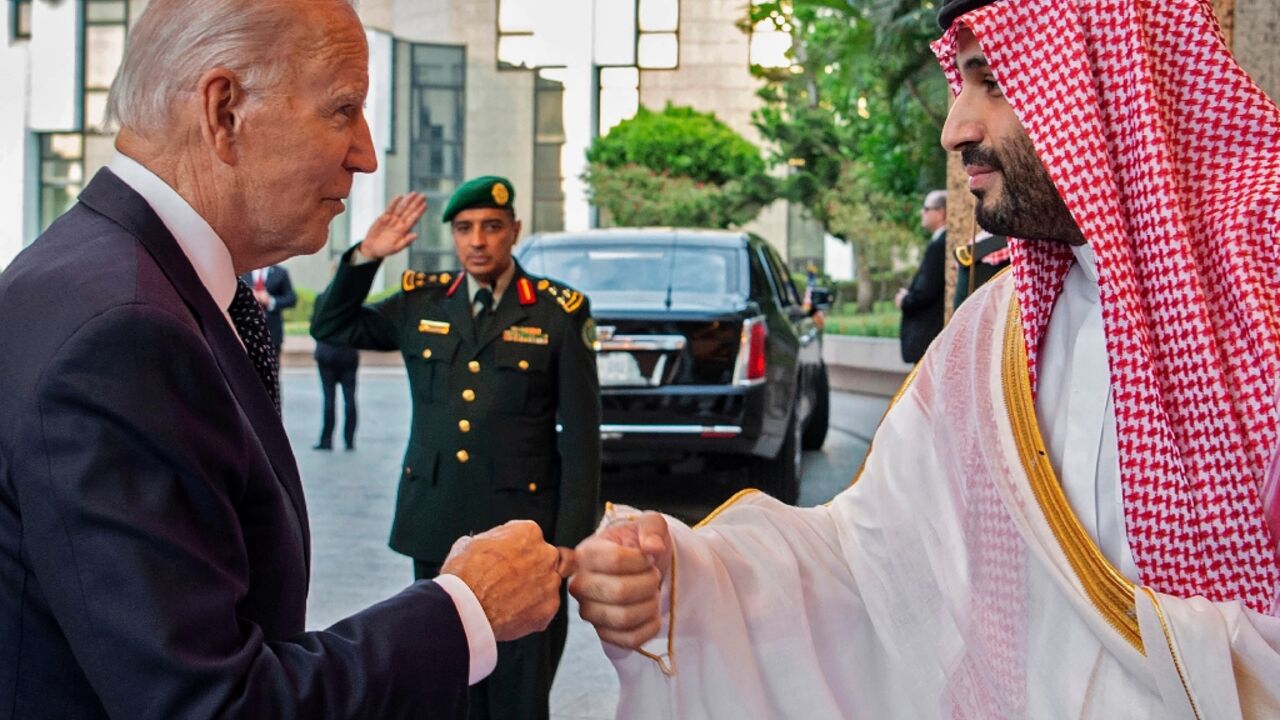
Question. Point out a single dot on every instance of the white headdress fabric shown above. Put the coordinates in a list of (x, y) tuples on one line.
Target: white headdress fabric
[(1168, 156)]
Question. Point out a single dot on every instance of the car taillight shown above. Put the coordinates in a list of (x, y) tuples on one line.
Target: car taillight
[(752, 363), (755, 357)]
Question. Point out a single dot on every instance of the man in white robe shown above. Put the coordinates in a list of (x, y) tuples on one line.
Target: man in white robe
[(1071, 508)]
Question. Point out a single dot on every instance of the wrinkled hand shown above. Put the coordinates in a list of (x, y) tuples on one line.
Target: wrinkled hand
[(390, 233), (619, 578), (514, 574)]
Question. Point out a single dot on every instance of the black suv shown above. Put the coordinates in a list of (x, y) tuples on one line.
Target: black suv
[(704, 347)]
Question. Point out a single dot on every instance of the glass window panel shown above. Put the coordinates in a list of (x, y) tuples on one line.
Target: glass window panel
[(95, 110), (615, 32), (439, 118), (616, 106), (104, 49), (659, 15), (622, 78), (54, 201), (769, 47), (106, 11), (438, 66), (516, 50), (63, 145), (657, 51), (515, 16)]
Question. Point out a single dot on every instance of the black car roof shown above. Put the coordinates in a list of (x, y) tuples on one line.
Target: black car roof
[(631, 236)]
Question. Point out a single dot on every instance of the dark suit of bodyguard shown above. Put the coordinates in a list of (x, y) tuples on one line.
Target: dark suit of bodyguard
[(487, 394)]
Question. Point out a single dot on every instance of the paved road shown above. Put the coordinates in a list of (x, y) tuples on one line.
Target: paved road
[(350, 496)]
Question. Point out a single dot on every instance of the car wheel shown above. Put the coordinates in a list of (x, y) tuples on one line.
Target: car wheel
[(815, 430), (780, 477)]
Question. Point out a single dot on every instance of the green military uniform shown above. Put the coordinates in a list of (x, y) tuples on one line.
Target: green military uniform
[(483, 448), (978, 263)]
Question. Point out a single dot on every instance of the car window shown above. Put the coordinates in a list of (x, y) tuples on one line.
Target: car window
[(781, 278), (693, 275)]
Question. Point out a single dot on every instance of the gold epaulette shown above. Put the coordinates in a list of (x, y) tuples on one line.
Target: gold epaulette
[(413, 280), (568, 298), (964, 255)]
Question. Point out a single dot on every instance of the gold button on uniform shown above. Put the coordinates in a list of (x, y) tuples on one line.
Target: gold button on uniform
[(426, 354), (463, 456), (473, 366), (468, 394), (533, 487), (524, 364), (464, 425)]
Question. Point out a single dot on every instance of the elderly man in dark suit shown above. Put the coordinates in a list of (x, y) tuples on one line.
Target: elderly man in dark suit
[(154, 547)]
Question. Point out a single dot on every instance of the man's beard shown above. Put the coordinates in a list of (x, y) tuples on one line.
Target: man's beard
[(1029, 206)]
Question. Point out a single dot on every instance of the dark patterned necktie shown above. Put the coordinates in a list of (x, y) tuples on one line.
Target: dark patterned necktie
[(251, 324), (484, 296)]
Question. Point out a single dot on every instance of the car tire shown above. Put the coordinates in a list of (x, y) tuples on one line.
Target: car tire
[(815, 430), (780, 477)]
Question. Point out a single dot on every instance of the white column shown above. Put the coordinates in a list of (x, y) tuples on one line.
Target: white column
[(56, 51), (14, 192)]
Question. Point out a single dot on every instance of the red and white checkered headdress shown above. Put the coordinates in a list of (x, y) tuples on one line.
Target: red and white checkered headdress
[(1168, 157)]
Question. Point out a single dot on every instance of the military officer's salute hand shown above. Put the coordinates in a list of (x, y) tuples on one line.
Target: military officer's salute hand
[(514, 574), (390, 233), (619, 578)]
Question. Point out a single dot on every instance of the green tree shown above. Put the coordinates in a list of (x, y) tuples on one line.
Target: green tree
[(677, 167), (857, 117)]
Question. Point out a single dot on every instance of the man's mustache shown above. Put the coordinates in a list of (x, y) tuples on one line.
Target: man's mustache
[(978, 155)]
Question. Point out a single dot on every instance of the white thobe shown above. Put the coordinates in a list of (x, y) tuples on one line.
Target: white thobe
[(977, 569)]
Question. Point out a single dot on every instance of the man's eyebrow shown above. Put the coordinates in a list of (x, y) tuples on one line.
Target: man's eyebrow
[(976, 62)]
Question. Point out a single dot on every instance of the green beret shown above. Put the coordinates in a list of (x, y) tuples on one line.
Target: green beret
[(486, 191)]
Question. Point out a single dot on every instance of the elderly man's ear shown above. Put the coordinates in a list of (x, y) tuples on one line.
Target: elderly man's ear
[(221, 100)]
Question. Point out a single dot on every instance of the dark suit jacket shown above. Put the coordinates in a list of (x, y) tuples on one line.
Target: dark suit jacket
[(154, 547), (475, 463), (922, 307), (280, 288)]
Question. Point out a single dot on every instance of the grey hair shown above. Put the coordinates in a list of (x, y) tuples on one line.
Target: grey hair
[(935, 199), (177, 41)]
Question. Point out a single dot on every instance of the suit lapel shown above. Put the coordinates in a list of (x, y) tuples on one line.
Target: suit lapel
[(111, 197)]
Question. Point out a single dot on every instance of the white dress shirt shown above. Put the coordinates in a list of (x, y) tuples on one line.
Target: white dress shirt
[(1076, 414), (211, 260)]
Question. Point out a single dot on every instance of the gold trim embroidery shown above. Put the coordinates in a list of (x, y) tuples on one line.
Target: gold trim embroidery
[(1173, 652), (1111, 593), (725, 506)]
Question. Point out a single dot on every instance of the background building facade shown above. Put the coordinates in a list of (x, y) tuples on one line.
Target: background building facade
[(458, 88)]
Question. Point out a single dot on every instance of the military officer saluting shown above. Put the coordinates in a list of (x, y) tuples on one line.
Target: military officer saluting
[(495, 357)]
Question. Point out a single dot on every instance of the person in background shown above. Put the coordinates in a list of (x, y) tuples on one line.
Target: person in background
[(922, 302), (496, 359), (338, 365), (273, 290)]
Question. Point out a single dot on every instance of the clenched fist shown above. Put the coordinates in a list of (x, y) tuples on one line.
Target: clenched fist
[(514, 574), (619, 577)]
